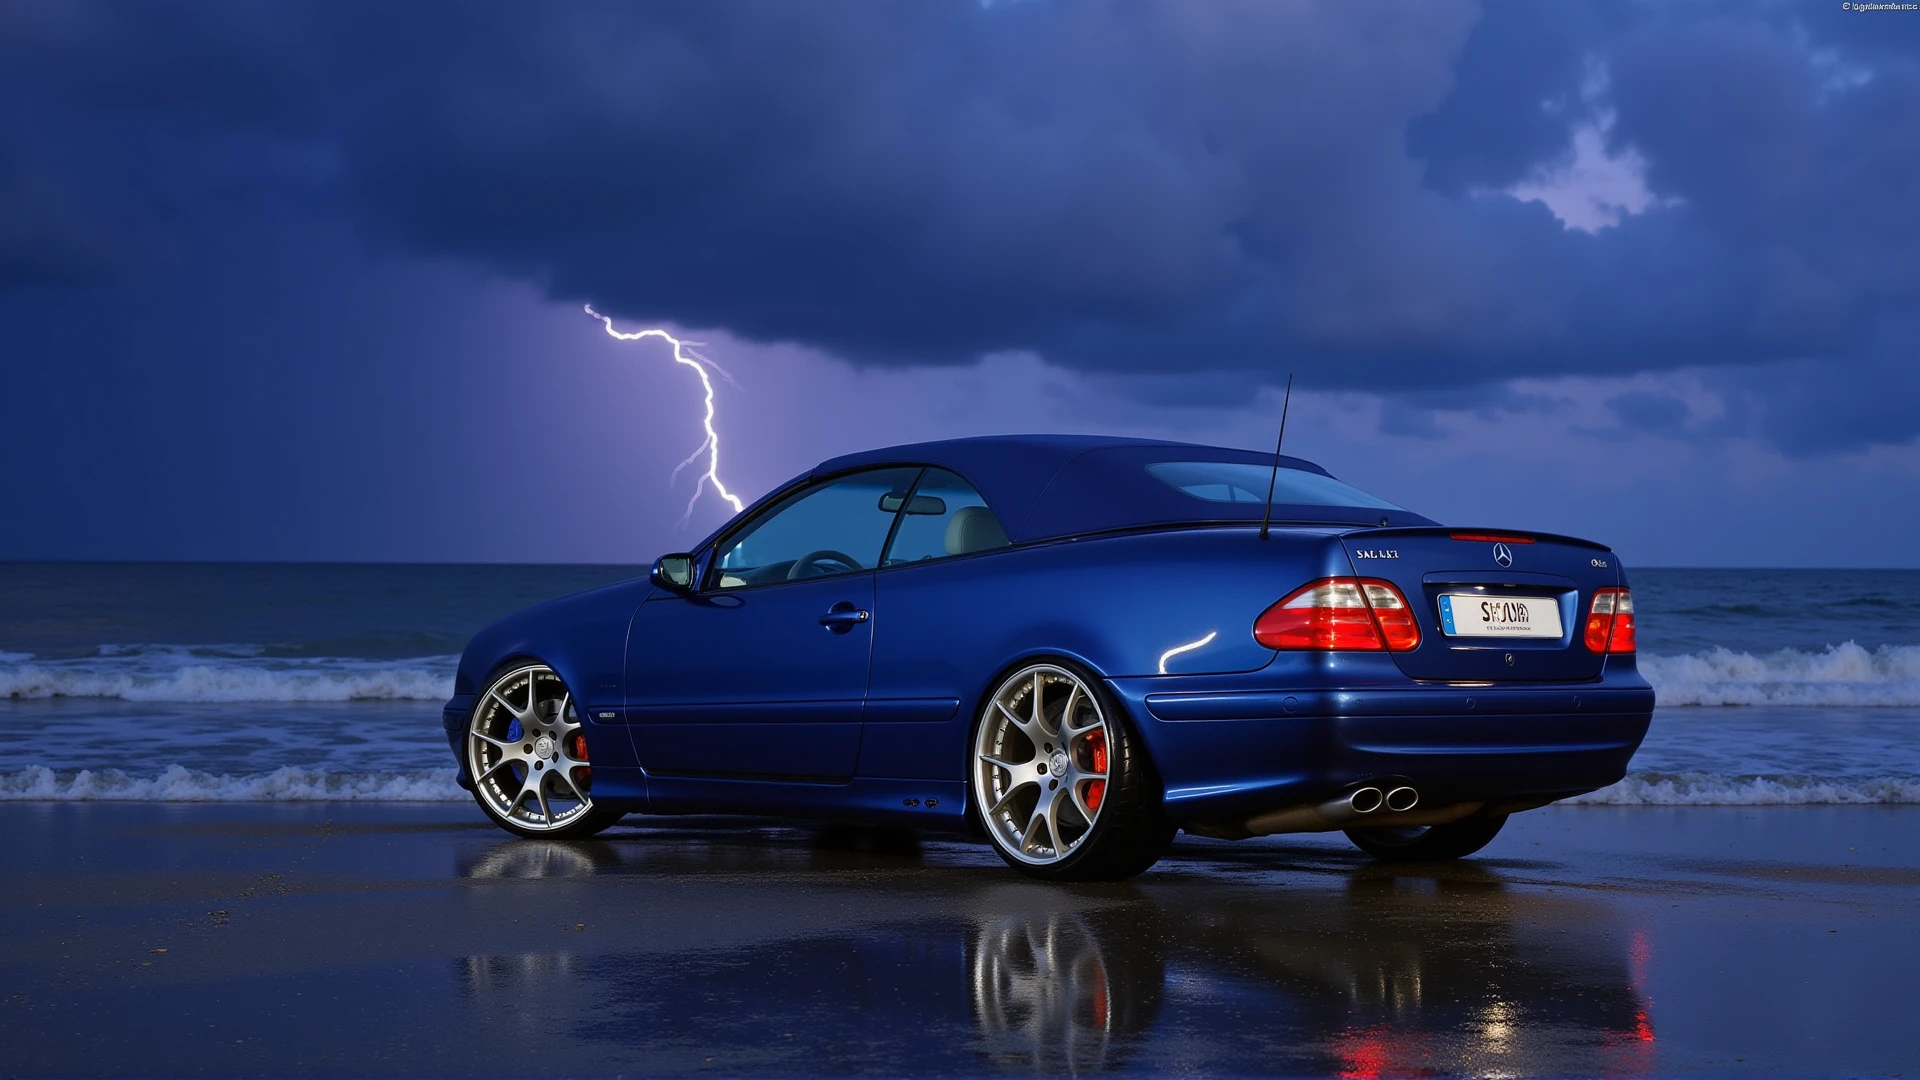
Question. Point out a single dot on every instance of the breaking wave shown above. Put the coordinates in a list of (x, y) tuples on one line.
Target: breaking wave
[(224, 673), (1712, 789), (289, 783), (1839, 675)]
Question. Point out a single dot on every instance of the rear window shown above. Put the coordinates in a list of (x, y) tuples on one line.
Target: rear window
[(1239, 482)]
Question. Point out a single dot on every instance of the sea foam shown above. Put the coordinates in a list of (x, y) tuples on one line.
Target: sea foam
[(224, 673), (1837, 676), (1713, 789), (175, 783)]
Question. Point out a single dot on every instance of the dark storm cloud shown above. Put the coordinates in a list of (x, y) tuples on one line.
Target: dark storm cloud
[(1416, 412), (1517, 80), (1641, 410), (1241, 189), (1810, 407)]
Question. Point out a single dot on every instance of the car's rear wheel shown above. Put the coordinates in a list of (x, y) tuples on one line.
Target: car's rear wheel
[(1062, 786), (527, 755), (1413, 843)]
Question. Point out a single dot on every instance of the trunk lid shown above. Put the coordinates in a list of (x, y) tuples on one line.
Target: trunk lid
[(1476, 567)]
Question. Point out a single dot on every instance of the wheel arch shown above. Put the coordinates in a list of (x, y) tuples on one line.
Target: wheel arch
[(522, 658), (1111, 702), (606, 743)]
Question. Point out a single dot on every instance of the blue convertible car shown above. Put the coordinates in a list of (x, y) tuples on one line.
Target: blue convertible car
[(1077, 645)]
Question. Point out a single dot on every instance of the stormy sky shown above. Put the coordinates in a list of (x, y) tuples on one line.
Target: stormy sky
[(290, 281)]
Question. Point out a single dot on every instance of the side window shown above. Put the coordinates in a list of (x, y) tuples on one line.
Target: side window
[(833, 528), (945, 517)]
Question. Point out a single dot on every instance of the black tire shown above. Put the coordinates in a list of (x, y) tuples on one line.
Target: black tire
[(1412, 843), (1131, 831), (590, 824), (540, 683)]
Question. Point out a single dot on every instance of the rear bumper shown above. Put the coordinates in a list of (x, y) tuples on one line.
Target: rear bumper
[(1228, 748)]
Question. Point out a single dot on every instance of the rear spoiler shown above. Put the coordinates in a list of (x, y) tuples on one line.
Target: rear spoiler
[(1472, 532)]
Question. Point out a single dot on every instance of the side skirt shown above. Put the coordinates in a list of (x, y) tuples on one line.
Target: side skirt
[(933, 804)]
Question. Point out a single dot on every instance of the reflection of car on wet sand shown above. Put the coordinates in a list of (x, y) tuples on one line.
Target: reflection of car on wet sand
[(1078, 645), (1166, 978)]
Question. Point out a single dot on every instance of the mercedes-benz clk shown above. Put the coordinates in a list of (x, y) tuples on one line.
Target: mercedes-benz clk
[(1077, 646)]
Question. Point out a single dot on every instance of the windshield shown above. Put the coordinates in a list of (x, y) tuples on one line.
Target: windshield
[(1239, 482)]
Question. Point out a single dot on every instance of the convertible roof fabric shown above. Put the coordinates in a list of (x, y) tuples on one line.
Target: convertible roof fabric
[(1048, 486)]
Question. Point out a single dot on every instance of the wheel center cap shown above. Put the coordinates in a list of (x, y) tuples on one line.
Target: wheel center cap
[(543, 747), (1058, 763)]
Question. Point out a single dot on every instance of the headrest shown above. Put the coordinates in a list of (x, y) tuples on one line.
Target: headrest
[(974, 528)]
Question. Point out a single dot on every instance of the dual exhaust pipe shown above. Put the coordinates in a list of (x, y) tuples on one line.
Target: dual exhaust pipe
[(1365, 800), (1348, 810)]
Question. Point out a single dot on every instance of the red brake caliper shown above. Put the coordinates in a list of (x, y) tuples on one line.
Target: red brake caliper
[(577, 749), (1097, 749)]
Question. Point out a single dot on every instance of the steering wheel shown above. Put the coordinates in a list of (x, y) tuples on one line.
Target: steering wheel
[(801, 564)]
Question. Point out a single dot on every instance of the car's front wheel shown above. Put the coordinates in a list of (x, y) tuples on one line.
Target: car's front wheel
[(1412, 843), (1062, 786), (527, 756)]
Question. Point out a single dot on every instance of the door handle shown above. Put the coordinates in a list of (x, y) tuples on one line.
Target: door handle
[(843, 617)]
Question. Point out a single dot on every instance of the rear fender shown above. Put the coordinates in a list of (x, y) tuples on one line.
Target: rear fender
[(1125, 605), (1173, 602)]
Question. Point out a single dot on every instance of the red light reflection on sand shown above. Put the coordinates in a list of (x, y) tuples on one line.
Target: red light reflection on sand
[(1378, 1052), (1639, 958), (1631, 1052)]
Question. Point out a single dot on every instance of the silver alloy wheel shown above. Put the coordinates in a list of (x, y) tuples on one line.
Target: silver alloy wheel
[(1040, 764), (527, 753)]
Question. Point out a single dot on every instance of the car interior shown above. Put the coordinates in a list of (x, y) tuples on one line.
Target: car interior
[(827, 530)]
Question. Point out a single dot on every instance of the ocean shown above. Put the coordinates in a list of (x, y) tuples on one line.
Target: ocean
[(197, 682)]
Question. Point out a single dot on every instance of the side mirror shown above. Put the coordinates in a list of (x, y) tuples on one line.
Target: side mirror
[(674, 572)]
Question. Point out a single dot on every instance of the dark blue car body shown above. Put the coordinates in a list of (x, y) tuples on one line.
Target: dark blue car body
[(743, 702)]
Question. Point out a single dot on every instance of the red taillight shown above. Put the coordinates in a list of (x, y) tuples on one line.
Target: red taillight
[(1363, 614), (1395, 617), (1610, 621), (1492, 538)]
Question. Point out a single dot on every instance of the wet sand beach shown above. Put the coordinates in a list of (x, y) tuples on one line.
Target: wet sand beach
[(391, 939)]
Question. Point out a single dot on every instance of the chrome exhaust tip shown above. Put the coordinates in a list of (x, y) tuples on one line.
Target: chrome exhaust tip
[(1402, 798), (1365, 800)]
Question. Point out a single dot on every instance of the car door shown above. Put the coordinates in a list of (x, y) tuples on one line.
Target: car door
[(936, 613), (761, 672)]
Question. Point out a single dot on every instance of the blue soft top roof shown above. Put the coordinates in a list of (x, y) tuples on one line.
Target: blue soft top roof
[(1047, 486)]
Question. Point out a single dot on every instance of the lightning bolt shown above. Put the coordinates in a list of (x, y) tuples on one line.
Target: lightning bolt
[(684, 353)]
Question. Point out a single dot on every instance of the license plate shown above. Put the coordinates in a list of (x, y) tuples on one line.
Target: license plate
[(1480, 615)]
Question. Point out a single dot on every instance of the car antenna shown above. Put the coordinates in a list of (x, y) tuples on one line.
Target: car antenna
[(1274, 479)]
